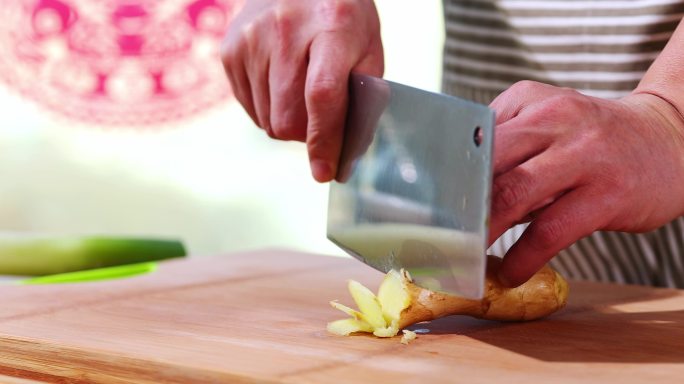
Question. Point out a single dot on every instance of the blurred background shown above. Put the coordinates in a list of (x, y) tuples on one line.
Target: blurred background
[(117, 119)]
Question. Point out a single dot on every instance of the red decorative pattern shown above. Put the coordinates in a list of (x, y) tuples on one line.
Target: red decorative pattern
[(116, 62)]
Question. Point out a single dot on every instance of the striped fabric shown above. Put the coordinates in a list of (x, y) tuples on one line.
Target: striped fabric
[(655, 258), (601, 48)]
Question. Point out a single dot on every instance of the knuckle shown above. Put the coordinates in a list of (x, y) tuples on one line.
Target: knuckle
[(285, 26), (238, 40), (325, 91), (547, 234), (318, 144), (525, 87), (323, 137), (553, 113), (250, 36), (339, 13), (558, 103), (509, 194), (263, 117), (567, 103), (287, 129)]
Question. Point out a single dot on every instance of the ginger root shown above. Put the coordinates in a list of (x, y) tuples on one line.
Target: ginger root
[(400, 303)]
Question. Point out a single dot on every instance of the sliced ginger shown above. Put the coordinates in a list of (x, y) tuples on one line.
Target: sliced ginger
[(400, 303)]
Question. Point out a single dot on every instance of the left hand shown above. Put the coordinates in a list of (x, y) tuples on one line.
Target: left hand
[(571, 164)]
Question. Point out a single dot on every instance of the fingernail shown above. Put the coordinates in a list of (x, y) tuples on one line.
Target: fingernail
[(321, 170)]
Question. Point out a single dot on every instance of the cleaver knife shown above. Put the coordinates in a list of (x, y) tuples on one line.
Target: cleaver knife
[(413, 185)]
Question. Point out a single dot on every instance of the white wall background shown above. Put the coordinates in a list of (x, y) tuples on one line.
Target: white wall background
[(214, 181)]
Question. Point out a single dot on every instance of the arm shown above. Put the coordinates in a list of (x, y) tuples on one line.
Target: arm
[(572, 164), (289, 61), (665, 77)]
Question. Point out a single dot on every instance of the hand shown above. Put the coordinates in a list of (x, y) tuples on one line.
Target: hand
[(572, 164), (288, 62)]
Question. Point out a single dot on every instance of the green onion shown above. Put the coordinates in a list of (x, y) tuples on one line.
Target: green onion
[(32, 256)]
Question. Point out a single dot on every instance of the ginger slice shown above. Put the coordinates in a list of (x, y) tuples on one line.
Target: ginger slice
[(408, 336), (345, 327), (401, 303), (369, 306)]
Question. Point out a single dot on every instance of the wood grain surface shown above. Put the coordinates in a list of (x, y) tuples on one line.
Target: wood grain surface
[(261, 316)]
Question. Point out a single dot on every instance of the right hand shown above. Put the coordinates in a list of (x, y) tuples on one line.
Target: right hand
[(288, 62)]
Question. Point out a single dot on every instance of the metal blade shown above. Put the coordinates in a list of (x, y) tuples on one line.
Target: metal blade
[(414, 184)]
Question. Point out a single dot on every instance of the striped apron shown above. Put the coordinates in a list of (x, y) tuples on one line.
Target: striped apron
[(601, 48)]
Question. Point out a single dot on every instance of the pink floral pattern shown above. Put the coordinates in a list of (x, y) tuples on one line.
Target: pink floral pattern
[(116, 62)]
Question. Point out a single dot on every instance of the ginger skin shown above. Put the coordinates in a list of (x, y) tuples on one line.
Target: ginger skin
[(545, 293), (400, 303)]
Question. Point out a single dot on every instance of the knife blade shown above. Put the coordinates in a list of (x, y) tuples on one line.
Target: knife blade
[(413, 184)]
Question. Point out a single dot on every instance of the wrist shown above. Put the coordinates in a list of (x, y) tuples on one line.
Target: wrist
[(657, 110), (659, 103), (660, 115)]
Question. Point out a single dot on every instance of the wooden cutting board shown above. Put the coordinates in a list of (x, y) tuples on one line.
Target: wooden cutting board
[(260, 317)]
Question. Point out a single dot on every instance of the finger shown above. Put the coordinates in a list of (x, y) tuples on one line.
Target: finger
[(256, 52), (530, 132), (574, 216), (534, 212), (527, 188), (244, 93), (326, 101), (234, 67), (257, 73), (287, 78), (511, 102), (517, 141)]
